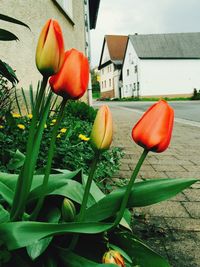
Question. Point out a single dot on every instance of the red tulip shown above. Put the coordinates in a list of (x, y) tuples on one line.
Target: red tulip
[(153, 131), (102, 130), (50, 49), (113, 257), (72, 80)]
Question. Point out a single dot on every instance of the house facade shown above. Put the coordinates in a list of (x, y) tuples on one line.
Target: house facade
[(161, 65), (110, 65), (71, 16)]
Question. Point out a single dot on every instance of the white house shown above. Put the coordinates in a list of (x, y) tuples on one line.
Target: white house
[(110, 64), (161, 65)]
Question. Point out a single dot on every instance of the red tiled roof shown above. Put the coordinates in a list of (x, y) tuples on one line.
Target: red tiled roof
[(116, 46)]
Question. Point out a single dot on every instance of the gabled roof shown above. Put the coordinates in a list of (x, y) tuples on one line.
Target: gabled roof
[(170, 45), (93, 10), (116, 46)]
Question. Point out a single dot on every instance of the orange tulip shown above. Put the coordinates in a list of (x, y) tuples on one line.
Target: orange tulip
[(153, 131), (50, 49), (102, 130), (113, 257), (72, 80)]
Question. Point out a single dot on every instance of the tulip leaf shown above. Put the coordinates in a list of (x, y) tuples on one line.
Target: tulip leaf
[(143, 194), (74, 260), (20, 234), (6, 193), (16, 161), (12, 20), (7, 72), (139, 252), (4, 215), (7, 36), (38, 247)]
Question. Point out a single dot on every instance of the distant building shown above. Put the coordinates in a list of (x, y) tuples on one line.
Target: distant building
[(110, 65), (161, 65)]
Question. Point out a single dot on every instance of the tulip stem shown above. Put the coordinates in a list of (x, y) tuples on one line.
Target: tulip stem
[(81, 215), (39, 204), (26, 175), (129, 188)]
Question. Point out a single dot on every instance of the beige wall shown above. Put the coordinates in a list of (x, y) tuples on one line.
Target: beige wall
[(20, 55)]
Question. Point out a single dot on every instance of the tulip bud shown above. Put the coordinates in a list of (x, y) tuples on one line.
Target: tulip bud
[(72, 80), (50, 49), (153, 131), (68, 210), (102, 130), (113, 257)]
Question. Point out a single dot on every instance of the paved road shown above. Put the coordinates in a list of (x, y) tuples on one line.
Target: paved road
[(187, 112)]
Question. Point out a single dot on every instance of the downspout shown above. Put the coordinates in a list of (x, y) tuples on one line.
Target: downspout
[(88, 48)]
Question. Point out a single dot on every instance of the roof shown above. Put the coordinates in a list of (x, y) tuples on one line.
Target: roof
[(116, 46), (169, 45), (93, 10)]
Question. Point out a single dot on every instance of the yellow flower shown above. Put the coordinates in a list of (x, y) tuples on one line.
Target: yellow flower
[(30, 116), (1, 126), (83, 137), (63, 130), (16, 115), (53, 122), (59, 136), (45, 126), (21, 126)]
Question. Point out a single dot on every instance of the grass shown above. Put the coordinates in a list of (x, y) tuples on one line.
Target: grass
[(148, 99)]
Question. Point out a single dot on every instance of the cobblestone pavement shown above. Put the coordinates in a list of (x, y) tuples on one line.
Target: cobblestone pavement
[(171, 227)]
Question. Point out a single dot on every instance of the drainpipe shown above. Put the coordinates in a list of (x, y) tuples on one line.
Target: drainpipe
[(88, 48)]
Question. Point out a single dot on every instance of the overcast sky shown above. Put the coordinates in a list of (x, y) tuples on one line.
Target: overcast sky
[(125, 17)]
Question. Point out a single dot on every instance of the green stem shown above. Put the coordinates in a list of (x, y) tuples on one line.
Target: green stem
[(81, 215), (49, 160), (26, 175), (129, 188)]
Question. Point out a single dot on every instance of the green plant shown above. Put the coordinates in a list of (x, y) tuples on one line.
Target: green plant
[(196, 95), (33, 230)]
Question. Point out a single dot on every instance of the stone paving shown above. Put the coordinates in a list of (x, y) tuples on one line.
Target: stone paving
[(171, 227)]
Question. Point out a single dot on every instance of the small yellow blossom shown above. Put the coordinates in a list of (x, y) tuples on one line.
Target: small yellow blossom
[(1, 126), (53, 122), (83, 137), (30, 116), (21, 126), (45, 126), (59, 136), (16, 115), (63, 130)]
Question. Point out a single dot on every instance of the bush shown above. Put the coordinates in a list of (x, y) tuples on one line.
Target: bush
[(73, 149), (196, 95)]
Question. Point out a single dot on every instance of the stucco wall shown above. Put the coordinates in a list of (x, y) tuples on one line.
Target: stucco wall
[(21, 54)]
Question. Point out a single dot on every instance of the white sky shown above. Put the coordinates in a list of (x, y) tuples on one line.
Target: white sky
[(125, 17)]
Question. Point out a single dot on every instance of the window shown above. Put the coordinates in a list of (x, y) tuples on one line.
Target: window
[(102, 71), (104, 84), (109, 82), (127, 72), (136, 69), (108, 68), (66, 6)]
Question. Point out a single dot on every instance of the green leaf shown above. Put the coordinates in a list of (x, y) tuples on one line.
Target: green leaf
[(20, 234), (4, 215), (39, 246), (7, 36), (143, 194), (16, 161), (7, 72), (6, 193), (140, 253), (122, 252), (74, 260), (12, 20)]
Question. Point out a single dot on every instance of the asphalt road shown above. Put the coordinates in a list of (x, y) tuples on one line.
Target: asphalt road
[(185, 111)]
